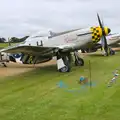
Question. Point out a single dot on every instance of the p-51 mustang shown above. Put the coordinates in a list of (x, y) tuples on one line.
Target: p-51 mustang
[(112, 41), (42, 48)]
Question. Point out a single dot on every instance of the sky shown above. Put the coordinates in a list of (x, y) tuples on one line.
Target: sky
[(26, 17)]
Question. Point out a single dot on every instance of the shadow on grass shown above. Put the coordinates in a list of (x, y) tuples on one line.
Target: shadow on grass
[(96, 55), (48, 68)]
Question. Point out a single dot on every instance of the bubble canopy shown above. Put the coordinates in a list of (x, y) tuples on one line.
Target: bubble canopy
[(38, 35), (46, 33)]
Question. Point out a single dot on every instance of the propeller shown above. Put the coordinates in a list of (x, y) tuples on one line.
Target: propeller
[(104, 40)]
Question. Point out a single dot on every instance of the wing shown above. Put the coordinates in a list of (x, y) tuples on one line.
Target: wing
[(27, 49)]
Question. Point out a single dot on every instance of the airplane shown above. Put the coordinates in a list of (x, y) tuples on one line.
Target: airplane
[(44, 46), (113, 40)]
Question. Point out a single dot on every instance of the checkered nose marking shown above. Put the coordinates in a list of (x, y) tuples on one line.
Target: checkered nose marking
[(96, 34)]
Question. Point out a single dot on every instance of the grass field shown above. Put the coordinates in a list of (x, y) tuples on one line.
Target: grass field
[(35, 95), (2, 45)]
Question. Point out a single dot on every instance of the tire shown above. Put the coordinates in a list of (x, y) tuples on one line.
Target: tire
[(79, 62), (106, 54), (4, 65), (65, 69), (112, 52)]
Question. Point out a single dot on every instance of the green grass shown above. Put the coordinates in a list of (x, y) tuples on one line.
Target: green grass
[(3, 45), (35, 96)]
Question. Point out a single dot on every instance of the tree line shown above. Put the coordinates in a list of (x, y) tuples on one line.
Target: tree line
[(13, 39)]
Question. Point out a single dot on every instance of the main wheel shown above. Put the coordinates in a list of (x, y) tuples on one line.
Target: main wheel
[(112, 52), (67, 65), (79, 62), (64, 69), (106, 54)]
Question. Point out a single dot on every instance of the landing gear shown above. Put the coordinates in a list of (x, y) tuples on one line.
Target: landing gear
[(63, 62), (112, 52), (4, 65), (78, 61), (106, 54), (67, 67)]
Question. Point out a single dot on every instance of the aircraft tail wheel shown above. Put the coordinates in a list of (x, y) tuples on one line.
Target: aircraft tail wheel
[(4, 65), (67, 65), (79, 62)]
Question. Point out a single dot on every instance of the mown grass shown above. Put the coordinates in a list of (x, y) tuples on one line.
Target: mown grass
[(35, 95), (3, 45)]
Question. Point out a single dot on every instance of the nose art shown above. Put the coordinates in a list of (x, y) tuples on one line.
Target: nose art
[(96, 34)]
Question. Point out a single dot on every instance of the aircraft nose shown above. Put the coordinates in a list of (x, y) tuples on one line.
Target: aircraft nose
[(96, 34)]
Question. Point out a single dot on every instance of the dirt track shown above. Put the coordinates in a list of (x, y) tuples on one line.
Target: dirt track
[(15, 68), (116, 49)]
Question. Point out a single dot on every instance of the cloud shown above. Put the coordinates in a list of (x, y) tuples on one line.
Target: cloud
[(25, 17)]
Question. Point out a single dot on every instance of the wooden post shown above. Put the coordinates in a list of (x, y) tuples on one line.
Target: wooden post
[(90, 73), (0, 56)]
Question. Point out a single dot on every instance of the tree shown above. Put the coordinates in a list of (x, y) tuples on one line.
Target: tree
[(2, 40), (23, 39), (16, 40)]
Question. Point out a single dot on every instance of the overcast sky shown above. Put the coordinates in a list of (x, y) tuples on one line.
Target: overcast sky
[(25, 17)]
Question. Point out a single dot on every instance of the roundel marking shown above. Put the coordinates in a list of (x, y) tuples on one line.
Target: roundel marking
[(17, 55)]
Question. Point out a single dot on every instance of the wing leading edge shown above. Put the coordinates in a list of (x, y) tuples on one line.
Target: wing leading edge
[(27, 49)]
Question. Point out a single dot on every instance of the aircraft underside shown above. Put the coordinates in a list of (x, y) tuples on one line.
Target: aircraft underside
[(95, 48), (64, 60)]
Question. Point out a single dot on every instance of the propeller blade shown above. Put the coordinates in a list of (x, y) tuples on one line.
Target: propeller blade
[(100, 23), (103, 40)]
